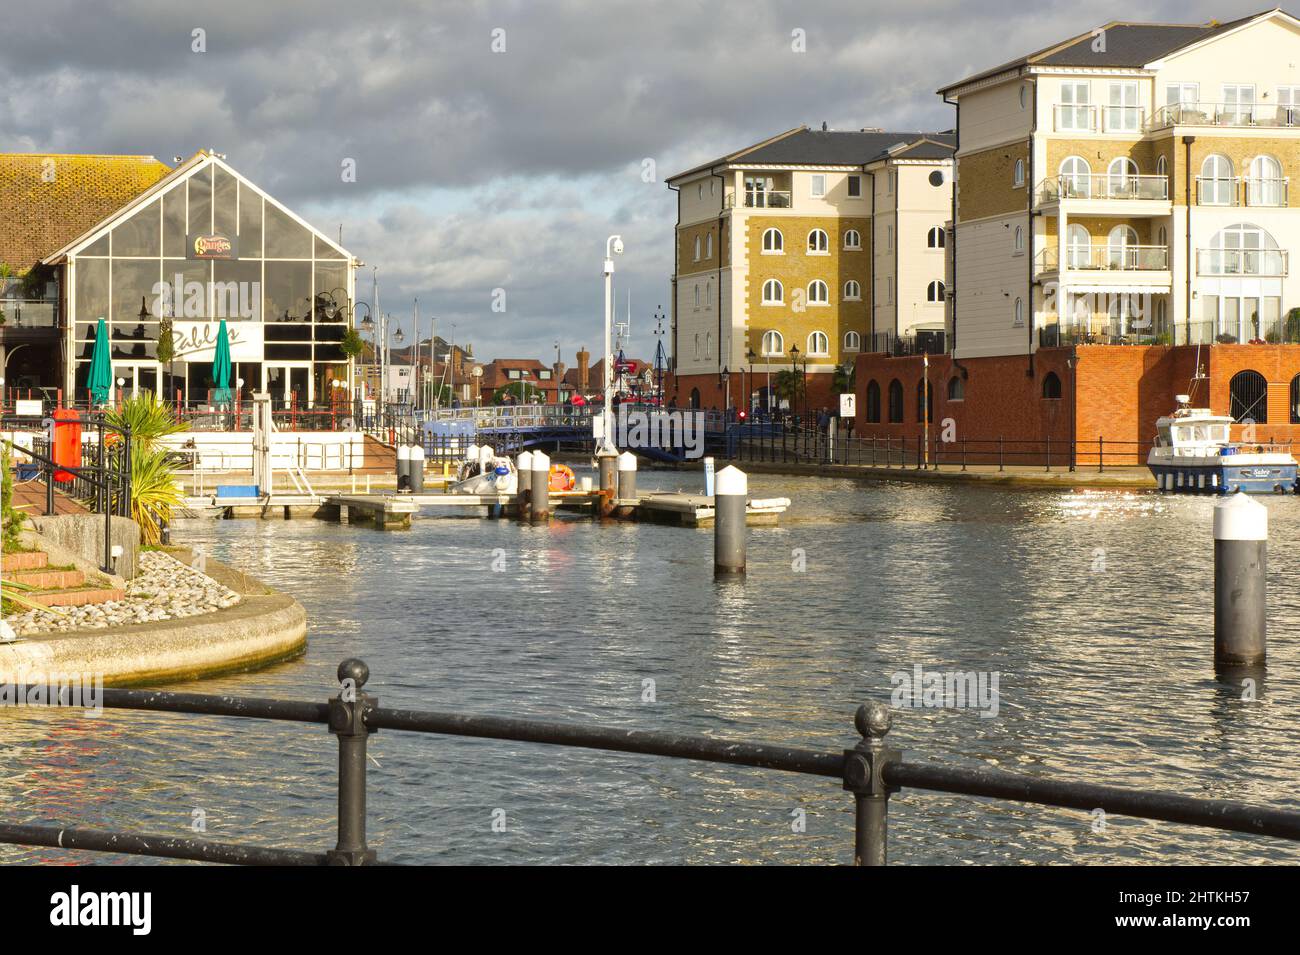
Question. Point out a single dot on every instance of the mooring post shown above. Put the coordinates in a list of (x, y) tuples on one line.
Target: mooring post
[(417, 469), (403, 467), (729, 500), (523, 484), (607, 462), (708, 477), (864, 776), (347, 715), (1240, 580), (540, 499), (627, 476)]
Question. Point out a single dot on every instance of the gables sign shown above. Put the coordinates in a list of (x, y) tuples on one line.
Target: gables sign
[(211, 245), (197, 341)]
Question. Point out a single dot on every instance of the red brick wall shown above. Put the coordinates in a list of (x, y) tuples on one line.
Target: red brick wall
[(713, 395)]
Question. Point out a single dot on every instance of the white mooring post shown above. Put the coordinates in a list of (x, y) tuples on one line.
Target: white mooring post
[(708, 477), (539, 501), (417, 469), (403, 467), (626, 476), (729, 500), (1240, 580), (523, 484)]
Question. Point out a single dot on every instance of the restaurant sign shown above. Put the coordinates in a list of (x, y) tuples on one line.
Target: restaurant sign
[(197, 341), (211, 245)]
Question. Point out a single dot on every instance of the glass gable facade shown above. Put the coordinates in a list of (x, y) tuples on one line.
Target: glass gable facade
[(213, 247)]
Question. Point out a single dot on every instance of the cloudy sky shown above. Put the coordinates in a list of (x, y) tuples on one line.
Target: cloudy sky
[(477, 169)]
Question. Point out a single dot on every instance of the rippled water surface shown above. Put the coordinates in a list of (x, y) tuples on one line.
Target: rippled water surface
[(1094, 607)]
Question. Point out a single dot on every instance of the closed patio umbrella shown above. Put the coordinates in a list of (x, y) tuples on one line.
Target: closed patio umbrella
[(100, 379), (221, 366)]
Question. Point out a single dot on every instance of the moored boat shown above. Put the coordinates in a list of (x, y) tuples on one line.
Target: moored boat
[(483, 472), (1193, 453)]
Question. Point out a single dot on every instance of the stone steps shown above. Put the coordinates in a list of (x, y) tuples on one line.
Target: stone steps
[(76, 598), (49, 579), (24, 560)]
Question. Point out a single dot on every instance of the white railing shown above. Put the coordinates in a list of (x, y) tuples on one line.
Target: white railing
[(1095, 119), (1108, 257), (1266, 192), (1225, 114), (1267, 262), (1218, 192), (1104, 186)]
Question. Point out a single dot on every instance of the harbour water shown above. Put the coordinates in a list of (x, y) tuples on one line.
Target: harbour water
[(1094, 608)]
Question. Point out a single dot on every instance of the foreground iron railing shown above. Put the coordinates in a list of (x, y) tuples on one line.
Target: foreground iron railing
[(872, 771)]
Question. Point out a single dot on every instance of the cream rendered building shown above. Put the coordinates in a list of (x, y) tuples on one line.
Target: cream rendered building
[(1130, 185), (813, 246)]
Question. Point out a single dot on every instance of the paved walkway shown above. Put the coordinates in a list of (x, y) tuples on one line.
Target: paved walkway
[(29, 497)]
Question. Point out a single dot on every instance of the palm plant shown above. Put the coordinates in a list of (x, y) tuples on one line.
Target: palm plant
[(154, 491)]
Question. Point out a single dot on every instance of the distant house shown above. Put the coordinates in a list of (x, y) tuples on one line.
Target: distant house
[(502, 372)]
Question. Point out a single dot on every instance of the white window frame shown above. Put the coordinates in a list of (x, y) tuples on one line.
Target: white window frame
[(823, 243), (849, 182), (826, 293), (815, 339), (1018, 176), (852, 291), (856, 235), (1018, 241), (772, 336), (852, 341), (930, 292), (697, 248), (780, 292), (1074, 112), (1235, 104), (817, 185), (778, 246), (1126, 114), (939, 231)]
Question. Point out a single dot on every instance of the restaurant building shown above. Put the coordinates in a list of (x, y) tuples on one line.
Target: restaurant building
[(188, 245)]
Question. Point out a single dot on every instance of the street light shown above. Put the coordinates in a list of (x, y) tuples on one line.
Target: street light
[(613, 247), (478, 384), (749, 401), (794, 369)]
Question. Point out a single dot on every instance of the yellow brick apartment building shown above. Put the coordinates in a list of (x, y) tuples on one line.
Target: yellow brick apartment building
[(804, 251)]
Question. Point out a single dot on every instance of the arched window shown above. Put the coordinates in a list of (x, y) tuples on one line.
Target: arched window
[(1019, 243), (852, 239), (934, 292), (708, 294), (1051, 385), (697, 248), (818, 344), (873, 402), (1216, 185), (1019, 320), (697, 294), (852, 291), (1248, 397), (1075, 178), (1120, 251), (773, 292), (895, 402), (818, 242), (708, 346), (1162, 167), (695, 398), (1078, 247), (935, 238), (1242, 248), (1018, 177), (773, 344), (818, 294), (1121, 178), (1266, 187), (956, 388), (1162, 237), (1295, 400), (773, 241), (924, 401), (852, 341), (697, 346)]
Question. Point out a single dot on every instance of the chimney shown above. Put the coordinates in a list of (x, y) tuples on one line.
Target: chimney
[(584, 360), (557, 371)]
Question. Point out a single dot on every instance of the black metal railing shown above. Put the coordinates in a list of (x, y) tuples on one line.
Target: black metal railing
[(872, 771), (101, 481), (789, 443)]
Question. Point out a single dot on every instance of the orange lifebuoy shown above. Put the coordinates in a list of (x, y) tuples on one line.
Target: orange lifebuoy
[(562, 478)]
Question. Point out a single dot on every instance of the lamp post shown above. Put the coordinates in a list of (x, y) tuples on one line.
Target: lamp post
[(794, 370), (725, 378), (478, 384), (368, 326), (398, 336), (749, 400), (613, 247)]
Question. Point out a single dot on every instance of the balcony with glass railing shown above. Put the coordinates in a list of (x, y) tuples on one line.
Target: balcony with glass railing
[(1104, 186), (1262, 262), (1098, 119), (18, 313), (1102, 256), (1225, 114), (761, 199)]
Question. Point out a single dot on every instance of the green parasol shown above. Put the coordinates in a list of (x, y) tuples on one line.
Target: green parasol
[(221, 367), (100, 379)]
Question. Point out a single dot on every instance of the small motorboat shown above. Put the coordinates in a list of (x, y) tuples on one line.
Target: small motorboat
[(1193, 453), (483, 472)]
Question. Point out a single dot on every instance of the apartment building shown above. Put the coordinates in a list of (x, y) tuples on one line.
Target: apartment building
[(803, 251), (1121, 195)]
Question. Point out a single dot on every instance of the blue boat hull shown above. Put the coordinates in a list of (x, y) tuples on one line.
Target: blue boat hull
[(1226, 478)]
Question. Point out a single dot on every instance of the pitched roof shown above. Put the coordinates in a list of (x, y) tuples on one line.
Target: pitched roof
[(816, 147), (1127, 45), (46, 199)]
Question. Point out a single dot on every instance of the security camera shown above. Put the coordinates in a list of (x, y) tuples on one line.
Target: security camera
[(618, 246)]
